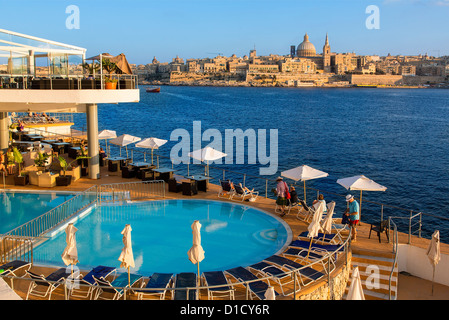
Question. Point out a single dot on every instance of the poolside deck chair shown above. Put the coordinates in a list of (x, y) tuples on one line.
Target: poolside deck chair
[(331, 238), (325, 248), (156, 286), (302, 271), (256, 287), (281, 277), (306, 211), (339, 229), (183, 281), (115, 287), (241, 194), (89, 281), (217, 278), (12, 269), (48, 284), (226, 189)]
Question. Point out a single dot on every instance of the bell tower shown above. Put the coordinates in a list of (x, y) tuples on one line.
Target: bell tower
[(327, 55)]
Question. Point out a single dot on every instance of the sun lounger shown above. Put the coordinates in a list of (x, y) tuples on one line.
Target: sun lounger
[(185, 282), (281, 277), (302, 271), (306, 210), (226, 189), (325, 248), (89, 281), (217, 278), (241, 194), (329, 238), (115, 287), (156, 286), (12, 269), (50, 282), (255, 286)]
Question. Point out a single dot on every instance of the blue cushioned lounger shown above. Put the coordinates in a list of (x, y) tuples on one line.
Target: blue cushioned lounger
[(158, 281), (89, 281), (277, 274), (308, 272), (51, 282), (11, 268), (185, 280), (116, 286), (258, 288), (324, 237), (217, 278), (323, 247)]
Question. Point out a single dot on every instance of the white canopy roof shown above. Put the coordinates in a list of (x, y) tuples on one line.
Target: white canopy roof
[(124, 140), (107, 134), (151, 143), (207, 154)]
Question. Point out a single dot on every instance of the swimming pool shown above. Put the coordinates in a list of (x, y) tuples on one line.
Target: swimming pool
[(17, 208), (232, 235)]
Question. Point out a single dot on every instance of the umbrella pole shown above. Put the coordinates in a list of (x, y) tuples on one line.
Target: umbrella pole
[(310, 247), (305, 200), (151, 156), (360, 213), (198, 281), (433, 278), (129, 278)]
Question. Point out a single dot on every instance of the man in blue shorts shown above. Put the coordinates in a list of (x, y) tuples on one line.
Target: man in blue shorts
[(353, 213)]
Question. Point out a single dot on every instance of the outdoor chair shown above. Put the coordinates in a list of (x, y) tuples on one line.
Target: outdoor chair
[(306, 210), (174, 186), (157, 285), (128, 172), (89, 281), (281, 277), (329, 238), (48, 284), (301, 270), (241, 193), (255, 286), (379, 228), (185, 282), (12, 269), (116, 287), (226, 189), (218, 279)]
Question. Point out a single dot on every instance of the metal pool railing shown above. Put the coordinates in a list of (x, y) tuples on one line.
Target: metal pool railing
[(16, 248), (131, 191), (55, 216)]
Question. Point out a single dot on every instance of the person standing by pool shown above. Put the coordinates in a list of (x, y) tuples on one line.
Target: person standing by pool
[(281, 192), (353, 214), (2, 163)]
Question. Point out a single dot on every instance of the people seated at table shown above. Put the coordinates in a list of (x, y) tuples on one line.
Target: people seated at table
[(103, 157), (2, 163)]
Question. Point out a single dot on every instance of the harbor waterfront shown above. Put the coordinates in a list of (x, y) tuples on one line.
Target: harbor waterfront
[(398, 138)]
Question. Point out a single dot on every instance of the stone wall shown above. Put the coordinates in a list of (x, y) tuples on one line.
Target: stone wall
[(364, 79)]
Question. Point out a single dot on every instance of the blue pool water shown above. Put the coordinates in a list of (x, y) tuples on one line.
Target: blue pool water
[(17, 208), (231, 234)]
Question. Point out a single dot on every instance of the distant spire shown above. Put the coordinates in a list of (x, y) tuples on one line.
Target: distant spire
[(306, 37), (327, 40)]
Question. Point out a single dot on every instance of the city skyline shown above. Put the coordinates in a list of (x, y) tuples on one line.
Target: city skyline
[(198, 28)]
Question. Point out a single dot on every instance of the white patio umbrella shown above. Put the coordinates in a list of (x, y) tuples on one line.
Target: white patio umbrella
[(123, 141), (107, 134), (151, 143), (355, 289), (126, 256), (304, 173), (361, 183), (433, 252), (196, 252), (315, 227), (270, 294), (327, 223), (70, 254), (207, 154)]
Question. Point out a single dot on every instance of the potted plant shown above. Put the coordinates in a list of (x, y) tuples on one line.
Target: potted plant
[(20, 179), (64, 179), (41, 160), (109, 67)]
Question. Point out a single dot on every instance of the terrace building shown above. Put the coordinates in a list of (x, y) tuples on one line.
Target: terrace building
[(45, 76)]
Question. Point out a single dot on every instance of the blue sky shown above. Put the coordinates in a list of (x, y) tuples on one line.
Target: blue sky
[(143, 29)]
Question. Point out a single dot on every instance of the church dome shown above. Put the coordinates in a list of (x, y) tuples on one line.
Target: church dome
[(306, 48)]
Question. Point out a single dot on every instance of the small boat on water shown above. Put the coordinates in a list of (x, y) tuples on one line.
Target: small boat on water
[(153, 89)]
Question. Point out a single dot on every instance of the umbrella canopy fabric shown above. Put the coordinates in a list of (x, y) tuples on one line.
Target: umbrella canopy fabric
[(433, 251), (327, 223), (355, 289), (70, 254), (303, 173), (361, 183), (107, 134), (269, 294), (126, 256), (122, 64), (99, 56), (151, 143), (124, 140), (196, 252), (314, 226), (207, 154)]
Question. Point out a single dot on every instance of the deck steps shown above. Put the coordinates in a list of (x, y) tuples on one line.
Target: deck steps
[(375, 269)]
